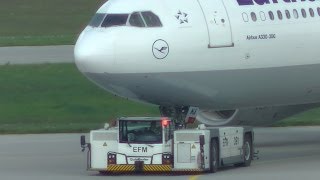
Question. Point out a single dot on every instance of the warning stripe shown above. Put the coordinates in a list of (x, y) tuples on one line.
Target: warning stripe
[(147, 168), (120, 168), (156, 168)]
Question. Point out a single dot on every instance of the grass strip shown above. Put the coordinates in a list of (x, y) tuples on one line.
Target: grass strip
[(44, 22), (54, 98), (308, 118), (34, 40), (57, 98)]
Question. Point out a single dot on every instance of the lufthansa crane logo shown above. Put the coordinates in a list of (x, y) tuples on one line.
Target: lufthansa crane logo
[(160, 49), (182, 17)]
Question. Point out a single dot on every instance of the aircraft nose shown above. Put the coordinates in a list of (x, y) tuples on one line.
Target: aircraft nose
[(94, 52)]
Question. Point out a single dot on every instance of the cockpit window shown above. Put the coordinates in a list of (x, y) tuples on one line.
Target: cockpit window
[(96, 20), (115, 20), (136, 20), (151, 19)]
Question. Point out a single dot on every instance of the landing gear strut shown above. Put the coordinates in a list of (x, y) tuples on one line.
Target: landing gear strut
[(177, 113)]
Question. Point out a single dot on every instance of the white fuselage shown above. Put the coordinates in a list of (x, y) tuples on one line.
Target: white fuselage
[(215, 54)]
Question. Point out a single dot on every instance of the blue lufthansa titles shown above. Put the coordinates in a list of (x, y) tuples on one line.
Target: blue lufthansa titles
[(263, 2)]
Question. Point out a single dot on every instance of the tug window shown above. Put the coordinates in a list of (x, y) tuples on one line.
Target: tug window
[(136, 20), (140, 132), (96, 20), (151, 19), (115, 20)]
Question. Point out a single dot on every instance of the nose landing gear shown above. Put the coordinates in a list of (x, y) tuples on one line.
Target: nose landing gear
[(176, 113)]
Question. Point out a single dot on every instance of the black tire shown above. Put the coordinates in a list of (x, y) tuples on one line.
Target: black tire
[(103, 173), (247, 150), (214, 156)]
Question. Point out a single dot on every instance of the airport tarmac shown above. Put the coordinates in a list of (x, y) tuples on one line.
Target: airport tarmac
[(36, 54), (285, 153)]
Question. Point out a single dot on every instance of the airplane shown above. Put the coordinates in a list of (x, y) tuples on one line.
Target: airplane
[(241, 62)]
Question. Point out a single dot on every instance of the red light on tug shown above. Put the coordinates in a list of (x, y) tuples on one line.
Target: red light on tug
[(165, 122)]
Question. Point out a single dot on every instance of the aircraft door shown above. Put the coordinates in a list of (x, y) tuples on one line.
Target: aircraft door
[(218, 24)]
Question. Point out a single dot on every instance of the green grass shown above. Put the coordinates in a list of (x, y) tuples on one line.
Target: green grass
[(37, 40), (44, 22), (308, 118), (57, 98)]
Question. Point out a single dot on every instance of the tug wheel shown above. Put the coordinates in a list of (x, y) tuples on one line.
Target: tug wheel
[(214, 156)]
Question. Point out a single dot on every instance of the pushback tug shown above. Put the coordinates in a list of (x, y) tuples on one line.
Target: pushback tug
[(153, 144)]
